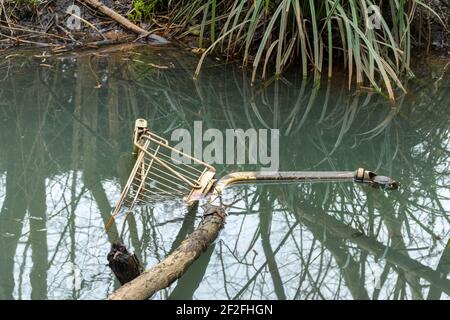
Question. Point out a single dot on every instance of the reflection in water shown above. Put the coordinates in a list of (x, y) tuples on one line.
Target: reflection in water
[(65, 140)]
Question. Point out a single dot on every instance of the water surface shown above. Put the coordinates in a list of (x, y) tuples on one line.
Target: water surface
[(65, 153)]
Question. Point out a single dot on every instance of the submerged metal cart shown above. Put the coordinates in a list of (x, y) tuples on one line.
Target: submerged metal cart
[(165, 173)]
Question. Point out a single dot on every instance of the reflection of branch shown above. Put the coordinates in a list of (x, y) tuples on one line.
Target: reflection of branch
[(38, 233), (253, 278), (265, 218), (186, 227), (92, 182), (349, 267), (394, 227), (376, 248), (188, 284), (444, 269), (383, 277), (11, 217), (224, 274)]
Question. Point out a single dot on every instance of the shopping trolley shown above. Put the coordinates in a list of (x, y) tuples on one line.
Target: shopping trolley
[(162, 173)]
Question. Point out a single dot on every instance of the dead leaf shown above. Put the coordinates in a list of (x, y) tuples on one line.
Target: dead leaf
[(158, 66)]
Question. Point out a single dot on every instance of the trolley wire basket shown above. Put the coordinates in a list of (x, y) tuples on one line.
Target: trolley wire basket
[(163, 173)]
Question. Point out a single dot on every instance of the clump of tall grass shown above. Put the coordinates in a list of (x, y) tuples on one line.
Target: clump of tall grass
[(318, 34)]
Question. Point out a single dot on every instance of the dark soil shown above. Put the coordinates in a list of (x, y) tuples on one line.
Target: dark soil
[(46, 23)]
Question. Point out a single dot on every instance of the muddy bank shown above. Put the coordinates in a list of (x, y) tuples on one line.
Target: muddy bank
[(54, 23)]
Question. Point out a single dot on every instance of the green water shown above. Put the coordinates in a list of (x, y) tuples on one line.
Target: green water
[(65, 144)]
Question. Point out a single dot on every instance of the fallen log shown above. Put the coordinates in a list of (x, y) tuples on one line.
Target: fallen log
[(177, 263), (97, 5)]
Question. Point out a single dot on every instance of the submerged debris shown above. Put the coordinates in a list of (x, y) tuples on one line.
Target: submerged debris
[(125, 265)]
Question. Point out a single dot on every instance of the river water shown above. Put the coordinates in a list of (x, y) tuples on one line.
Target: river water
[(65, 153)]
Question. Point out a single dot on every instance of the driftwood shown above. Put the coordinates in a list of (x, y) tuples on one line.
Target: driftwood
[(176, 264)]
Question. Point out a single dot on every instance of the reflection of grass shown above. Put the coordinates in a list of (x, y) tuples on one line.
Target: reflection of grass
[(319, 34)]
